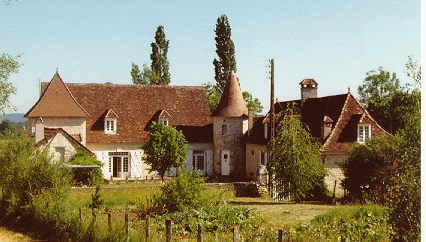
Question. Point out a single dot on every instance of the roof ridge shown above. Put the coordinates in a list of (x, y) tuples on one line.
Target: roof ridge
[(337, 122)]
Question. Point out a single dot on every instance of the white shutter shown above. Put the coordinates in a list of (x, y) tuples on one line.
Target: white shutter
[(209, 163), (189, 161)]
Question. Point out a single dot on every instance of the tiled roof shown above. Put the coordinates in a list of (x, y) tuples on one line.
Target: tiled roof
[(231, 103), (135, 107), (56, 101), (308, 82), (50, 133), (343, 111)]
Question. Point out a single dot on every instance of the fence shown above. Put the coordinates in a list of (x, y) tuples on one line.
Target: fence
[(168, 223)]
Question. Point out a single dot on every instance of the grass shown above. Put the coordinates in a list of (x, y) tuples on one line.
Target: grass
[(301, 221), (283, 214)]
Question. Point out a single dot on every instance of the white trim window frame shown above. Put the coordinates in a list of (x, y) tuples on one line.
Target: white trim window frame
[(164, 121), (110, 126), (363, 133)]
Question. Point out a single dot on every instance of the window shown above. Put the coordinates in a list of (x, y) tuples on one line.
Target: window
[(163, 121), (263, 158), (364, 132), (224, 129), (110, 126), (198, 160), (265, 130), (125, 164)]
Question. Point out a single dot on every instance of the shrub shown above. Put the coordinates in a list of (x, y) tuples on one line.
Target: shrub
[(82, 176), (181, 193), (367, 167)]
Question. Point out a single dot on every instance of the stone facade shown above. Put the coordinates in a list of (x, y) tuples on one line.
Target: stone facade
[(76, 127), (230, 140), (335, 173), (253, 159), (60, 148)]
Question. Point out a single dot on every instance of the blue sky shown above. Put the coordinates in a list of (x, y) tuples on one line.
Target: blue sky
[(334, 42)]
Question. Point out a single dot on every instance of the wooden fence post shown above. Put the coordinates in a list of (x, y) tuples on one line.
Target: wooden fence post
[(147, 227), (109, 222), (80, 214), (168, 230), (236, 234), (126, 224), (280, 235), (200, 233)]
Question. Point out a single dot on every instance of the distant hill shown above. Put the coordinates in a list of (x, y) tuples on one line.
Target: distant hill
[(14, 117)]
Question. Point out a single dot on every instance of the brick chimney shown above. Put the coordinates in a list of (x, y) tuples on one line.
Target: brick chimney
[(326, 128), (308, 88), (39, 130)]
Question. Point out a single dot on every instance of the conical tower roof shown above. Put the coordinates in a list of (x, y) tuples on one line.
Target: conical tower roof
[(232, 102), (56, 101)]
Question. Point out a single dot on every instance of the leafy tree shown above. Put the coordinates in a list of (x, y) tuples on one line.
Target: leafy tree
[(367, 167), (376, 94), (213, 96), (82, 176), (404, 190), (252, 104), (6, 129), (295, 158), (159, 72), (8, 65), (225, 51), (160, 64), (165, 148)]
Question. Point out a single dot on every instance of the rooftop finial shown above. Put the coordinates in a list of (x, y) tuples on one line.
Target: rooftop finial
[(349, 90)]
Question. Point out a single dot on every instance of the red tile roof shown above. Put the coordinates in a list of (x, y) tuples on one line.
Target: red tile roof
[(50, 133), (135, 107), (343, 111), (231, 103), (56, 101)]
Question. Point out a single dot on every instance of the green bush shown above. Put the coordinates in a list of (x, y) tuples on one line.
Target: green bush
[(181, 193), (82, 176), (367, 168)]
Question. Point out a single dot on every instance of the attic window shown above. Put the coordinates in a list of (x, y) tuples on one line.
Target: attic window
[(110, 125), (164, 121), (364, 132)]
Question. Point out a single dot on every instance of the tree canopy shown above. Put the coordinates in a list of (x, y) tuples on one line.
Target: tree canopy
[(223, 66), (295, 163), (8, 65), (165, 148), (226, 52), (159, 72)]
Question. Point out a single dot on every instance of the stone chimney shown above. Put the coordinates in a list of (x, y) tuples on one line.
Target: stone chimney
[(308, 89), (39, 130), (250, 121), (326, 128)]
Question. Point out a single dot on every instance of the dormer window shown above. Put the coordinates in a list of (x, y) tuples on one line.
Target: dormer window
[(164, 121), (110, 122), (364, 132), (110, 126)]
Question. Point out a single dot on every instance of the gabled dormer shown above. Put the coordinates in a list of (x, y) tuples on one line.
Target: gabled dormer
[(164, 117), (111, 118)]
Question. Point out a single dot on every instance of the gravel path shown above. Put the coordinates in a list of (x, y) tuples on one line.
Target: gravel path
[(10, 236)]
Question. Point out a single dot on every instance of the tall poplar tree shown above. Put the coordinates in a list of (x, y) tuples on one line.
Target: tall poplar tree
[(160, 64), (159, 72), (225, 51)]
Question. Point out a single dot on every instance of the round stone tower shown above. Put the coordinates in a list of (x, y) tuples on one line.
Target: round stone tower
[(230, 123)]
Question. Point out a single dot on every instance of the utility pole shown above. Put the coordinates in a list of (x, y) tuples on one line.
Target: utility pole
[(272, 111)]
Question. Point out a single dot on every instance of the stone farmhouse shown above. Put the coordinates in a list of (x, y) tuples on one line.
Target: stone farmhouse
[(111, 122), (336, 121)]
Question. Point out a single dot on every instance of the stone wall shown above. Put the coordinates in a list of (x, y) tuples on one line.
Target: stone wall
[(253, 152), (335, 173), (231, 141), (73, 126), (60, 148)]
